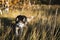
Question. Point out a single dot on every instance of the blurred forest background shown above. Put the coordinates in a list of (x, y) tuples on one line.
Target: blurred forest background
[(46, 25)]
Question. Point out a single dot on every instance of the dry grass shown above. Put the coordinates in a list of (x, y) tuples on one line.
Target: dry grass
[(42, 27)]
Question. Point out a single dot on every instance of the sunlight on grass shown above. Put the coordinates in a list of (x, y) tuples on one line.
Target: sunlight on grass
[(40, 28)]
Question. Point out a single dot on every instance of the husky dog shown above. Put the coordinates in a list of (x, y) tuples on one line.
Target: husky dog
[(21, 21)]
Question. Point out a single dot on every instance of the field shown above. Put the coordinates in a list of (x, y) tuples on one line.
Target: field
[(45, 25)]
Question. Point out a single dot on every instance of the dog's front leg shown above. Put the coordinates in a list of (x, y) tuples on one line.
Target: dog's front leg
[(17, 28)]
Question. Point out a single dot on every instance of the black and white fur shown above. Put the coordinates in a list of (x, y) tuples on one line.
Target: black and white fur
[(21, 21)]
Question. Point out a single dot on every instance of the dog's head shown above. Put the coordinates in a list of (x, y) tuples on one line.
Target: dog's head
[(22, 20)]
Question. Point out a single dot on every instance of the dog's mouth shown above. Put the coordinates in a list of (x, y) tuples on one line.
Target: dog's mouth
[(20, 24)]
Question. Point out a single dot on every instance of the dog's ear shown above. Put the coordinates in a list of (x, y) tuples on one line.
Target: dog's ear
[(24, 19), (16, 19), (30, 18)]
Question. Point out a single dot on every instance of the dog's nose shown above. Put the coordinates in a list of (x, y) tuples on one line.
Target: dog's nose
[(20, 24)]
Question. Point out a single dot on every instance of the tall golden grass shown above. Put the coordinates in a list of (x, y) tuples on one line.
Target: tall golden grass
[(45, 25)]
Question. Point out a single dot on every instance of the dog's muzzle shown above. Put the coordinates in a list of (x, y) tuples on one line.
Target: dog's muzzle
[(21, 25)]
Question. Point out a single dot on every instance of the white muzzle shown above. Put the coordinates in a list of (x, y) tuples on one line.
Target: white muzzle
[(21, 25)]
